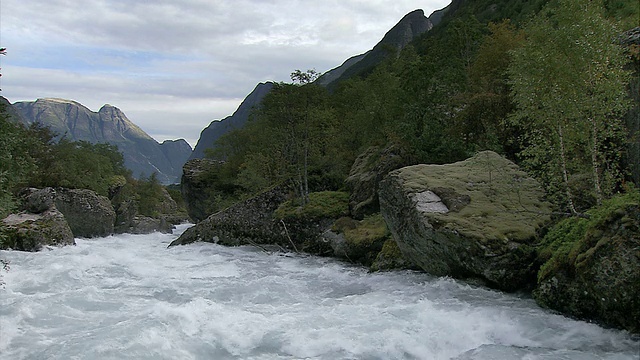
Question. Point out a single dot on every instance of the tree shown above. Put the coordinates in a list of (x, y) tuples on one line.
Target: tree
[(569, 87)]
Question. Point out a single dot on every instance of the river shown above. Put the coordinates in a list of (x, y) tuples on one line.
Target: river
[(129, 297)]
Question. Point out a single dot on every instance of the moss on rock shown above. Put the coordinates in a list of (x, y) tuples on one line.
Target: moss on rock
[(591, 266), (324, 204)]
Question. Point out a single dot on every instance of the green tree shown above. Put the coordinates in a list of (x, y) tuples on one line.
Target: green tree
[(569, 86)]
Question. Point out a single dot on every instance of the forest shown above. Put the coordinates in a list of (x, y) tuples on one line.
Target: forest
[(547, 84)]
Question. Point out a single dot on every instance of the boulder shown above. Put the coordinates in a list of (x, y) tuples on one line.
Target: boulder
[(31, 232), (248, 222), (597, 278), (358, 241), (87, 213), (475, 219), (365, 175), (195, 187)]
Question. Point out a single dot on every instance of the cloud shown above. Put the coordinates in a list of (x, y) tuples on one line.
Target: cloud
[(186, 62)]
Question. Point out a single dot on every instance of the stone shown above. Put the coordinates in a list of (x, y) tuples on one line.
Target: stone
[(365, 175), (248, 222), (599, 280), (32, 232), (476, 219), (88, 214)]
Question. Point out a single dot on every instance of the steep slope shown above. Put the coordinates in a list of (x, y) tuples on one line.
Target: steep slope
[(142, 154), (406, 30), (217, 128)]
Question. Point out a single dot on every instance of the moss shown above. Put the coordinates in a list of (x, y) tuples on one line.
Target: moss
[(325, 204), (368, 231), (390, 257), (485, 178), (571, 243)]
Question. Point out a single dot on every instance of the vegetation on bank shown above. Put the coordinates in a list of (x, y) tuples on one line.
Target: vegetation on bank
[(570, 243), (519, 78), (31, 157)]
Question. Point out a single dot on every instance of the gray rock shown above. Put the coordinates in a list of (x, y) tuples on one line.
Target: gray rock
[(88, 214), (248, 222), (365, 175), (31, 232), (482, 227)]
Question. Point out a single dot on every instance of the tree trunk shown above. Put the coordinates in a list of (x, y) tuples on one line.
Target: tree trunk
[(565, 175), (594, 160)]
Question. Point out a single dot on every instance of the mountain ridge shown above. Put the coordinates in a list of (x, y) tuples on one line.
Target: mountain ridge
[(142, 154), (413, 24)]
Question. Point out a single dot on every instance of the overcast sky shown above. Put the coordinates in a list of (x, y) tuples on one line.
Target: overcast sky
[(174, 66)]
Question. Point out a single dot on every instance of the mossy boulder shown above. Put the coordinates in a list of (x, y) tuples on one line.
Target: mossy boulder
[(366, 173), (306, 224), (249, 222), (31, 232), (87, 213), (591, 266), (391, 258), (475, 219), (359, 241)]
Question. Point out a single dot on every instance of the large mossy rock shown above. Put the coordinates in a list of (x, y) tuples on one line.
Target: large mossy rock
[(31, 232), (592, 265), (195, 187), (365, 175), (474, 219), (87, 213), (248, 222)]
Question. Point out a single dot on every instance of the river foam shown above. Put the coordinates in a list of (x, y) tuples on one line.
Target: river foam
[(128, 297)]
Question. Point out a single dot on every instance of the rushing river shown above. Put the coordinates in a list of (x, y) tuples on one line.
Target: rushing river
[(129, 297)]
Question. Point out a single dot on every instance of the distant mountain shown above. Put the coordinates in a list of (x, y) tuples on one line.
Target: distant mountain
[(142, 154), (217, 128), (404, 32)]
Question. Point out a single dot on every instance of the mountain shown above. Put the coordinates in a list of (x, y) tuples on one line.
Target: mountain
[(217, 128), (143, 155), (405, 31)]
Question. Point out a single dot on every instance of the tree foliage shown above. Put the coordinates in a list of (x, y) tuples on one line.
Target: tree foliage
[(569, 85)]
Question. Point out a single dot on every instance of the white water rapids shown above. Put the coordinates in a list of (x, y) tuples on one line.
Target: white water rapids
[(129, 297)]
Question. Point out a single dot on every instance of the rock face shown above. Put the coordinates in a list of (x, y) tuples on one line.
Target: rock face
[(31, 232), (475, 219), (87, 213), (195, 188), (142, 154), (600, 279), (248, 222), (365, 175), (216, 129)]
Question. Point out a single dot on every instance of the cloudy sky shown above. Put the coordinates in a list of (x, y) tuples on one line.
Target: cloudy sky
[(174, 66)]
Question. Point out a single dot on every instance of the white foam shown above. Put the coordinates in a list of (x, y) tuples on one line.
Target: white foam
[(128, 297)]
